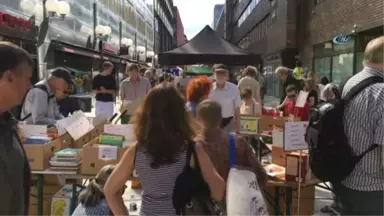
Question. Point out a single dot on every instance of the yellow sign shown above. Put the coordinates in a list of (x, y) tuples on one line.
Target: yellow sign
[(249, 125)]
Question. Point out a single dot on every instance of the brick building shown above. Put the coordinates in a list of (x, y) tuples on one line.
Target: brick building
[(180, 40), (267, 28), (335, 33), (321, 33)]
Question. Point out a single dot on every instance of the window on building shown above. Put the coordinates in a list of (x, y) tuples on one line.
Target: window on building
[(322, 67), (252, 5), (359, 62), (342, 67)]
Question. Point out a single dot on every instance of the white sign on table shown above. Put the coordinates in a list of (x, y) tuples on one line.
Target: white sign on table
[(301, 99), (294, 136)]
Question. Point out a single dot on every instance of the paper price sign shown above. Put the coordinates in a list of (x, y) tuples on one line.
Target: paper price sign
[(107, 152), (248, 125), (294, 133)]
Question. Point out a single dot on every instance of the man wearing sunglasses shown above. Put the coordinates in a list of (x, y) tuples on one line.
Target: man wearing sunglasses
[(289, 104), (40, 107)]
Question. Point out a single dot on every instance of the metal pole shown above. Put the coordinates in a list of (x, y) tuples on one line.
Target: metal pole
[(154, 26), (120, 35), (136, 55), (94, 24)]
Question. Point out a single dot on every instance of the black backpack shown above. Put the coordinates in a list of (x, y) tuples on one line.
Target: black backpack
[(16, 111), (331, 158)]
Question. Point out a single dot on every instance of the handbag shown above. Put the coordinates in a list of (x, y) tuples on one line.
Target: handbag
[(244, 196), (191, 195)]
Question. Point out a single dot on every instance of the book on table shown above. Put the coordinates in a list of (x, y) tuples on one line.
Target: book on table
[(66, 159)]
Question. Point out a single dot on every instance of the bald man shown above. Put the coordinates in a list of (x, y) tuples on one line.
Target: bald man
[(361, 193)]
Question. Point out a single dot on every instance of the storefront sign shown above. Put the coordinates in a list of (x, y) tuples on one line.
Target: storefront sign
[(14, 22), (342, 39)]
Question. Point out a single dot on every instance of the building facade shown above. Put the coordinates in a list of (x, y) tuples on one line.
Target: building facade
[(266, 28), (180, 40), (334, 35), (220, 26), (130, 19), (217, 9), (328, 36), (165, 25)]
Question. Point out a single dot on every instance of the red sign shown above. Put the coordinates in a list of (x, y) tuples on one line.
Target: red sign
[(14, 22), (109, 48)]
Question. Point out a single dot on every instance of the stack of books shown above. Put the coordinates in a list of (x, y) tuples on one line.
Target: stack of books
[(66, 159)]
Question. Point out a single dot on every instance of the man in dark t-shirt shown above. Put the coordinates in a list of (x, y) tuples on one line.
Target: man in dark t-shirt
[(104, 85)]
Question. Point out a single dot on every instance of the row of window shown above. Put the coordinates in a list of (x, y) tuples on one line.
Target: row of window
[(163, 17), (257, 33), (247, 11)]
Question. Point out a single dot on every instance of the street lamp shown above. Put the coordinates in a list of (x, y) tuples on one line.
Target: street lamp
[(141, 49), (126, 42), (52, 7), (150, 54), (107, 30), (64, 9), (100, 30), (27, 6)]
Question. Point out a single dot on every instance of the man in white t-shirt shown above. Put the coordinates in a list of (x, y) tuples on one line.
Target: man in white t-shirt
[(228, 96)]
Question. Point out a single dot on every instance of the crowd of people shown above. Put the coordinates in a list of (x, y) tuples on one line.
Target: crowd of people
[(182, 124)]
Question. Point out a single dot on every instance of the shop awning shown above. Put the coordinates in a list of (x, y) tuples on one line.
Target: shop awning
[(78, 50)]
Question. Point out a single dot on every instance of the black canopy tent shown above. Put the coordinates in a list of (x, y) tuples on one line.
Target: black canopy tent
[(208, 48)]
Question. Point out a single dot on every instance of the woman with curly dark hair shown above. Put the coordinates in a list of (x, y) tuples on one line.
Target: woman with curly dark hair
[(163, 134)]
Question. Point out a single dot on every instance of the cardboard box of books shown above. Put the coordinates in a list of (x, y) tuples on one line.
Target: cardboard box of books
[(39, 154), (80, 128), (108, 148), (95, 156), (40, 143)]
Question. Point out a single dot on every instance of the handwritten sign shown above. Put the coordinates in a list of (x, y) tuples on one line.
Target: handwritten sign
[(294, 133), (248, 125), (79, 127), (107, 152), (301, 99)]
